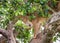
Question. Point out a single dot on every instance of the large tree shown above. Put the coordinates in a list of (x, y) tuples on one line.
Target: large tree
[(17, 17)]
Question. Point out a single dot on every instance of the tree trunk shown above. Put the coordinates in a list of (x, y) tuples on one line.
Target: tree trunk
[(8, 35)]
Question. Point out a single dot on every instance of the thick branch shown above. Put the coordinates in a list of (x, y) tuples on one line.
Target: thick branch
[(9, 35), (4, 33)]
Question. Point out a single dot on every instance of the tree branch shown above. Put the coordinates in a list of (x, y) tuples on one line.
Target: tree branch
[(4, 33)]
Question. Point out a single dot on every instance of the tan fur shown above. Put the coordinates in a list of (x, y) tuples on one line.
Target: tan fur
[(35, 23)]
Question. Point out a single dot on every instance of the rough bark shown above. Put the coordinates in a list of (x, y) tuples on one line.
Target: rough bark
[(8, 33), (3, 39)]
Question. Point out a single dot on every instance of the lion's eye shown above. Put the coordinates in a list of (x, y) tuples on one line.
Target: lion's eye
[(29, 25)]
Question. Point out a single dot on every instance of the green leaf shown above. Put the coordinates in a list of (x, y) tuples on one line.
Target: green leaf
[(19, 23), (20, 0)]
